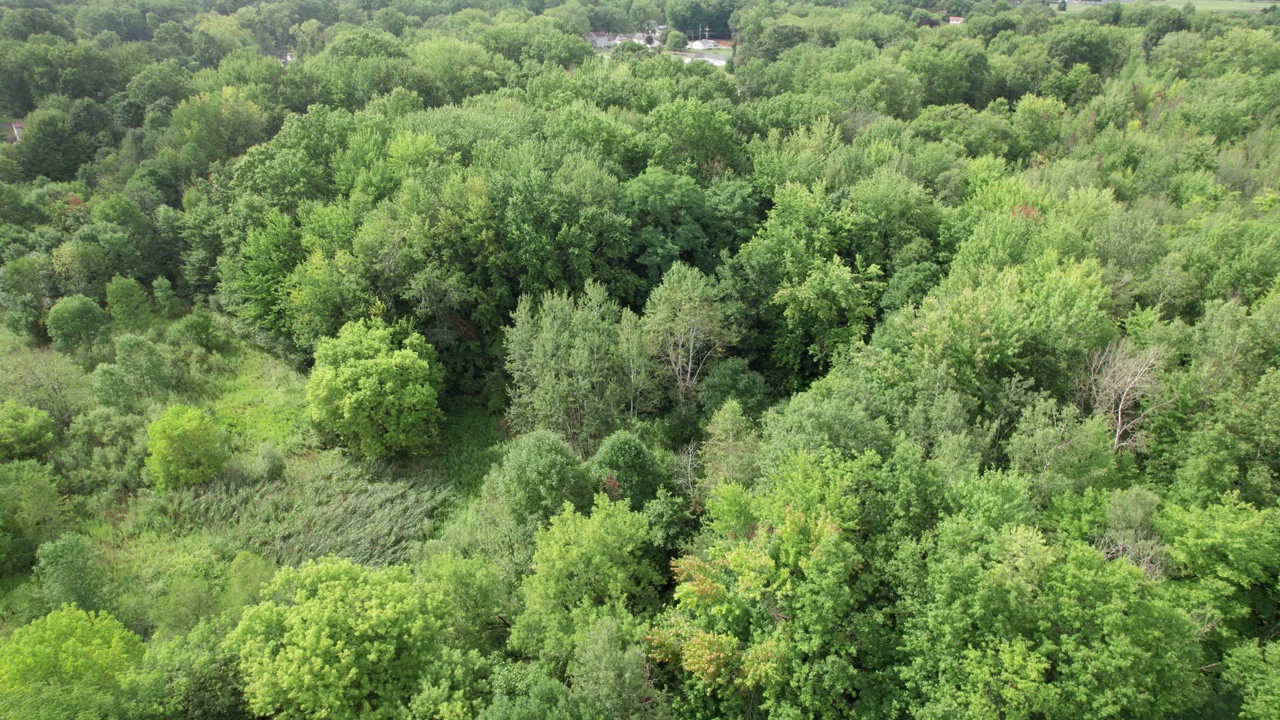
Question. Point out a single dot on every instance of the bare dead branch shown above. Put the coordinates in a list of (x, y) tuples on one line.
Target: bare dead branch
[(1120, 384)]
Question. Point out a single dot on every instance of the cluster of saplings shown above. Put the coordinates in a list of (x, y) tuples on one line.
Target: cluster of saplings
[(413, 361)]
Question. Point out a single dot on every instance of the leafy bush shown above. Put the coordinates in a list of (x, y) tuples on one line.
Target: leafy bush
[(70, 663), (25, 432), (184, 448), (377, 396)]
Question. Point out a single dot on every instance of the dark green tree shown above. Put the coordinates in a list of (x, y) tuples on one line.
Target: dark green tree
[(76, 324), (31, 513), (540, 473)]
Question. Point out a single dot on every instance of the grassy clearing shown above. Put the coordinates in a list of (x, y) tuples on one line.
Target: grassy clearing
[(8, 341), (262, 401), (324, 505), (282, 497), (469, 445)]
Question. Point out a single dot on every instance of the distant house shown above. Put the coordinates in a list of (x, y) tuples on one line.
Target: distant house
[(955, 20), (284, 57), (17, 131), (647, 39), (604, 41), (703, 44)]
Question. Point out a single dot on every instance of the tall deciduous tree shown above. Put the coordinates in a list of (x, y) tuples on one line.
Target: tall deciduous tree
[(269, 254), (772, 616), (51, 145), (140, 373), (31, 513), (585, 567), (1255, 671), (128, 304), (75, 324), (687, 328), (563, 357), (71, 571), (1012, 624)]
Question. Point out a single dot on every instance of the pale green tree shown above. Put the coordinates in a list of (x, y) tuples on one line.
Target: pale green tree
[(70, 663), (184, 448), (687, 328), (1255, 672), (334, 639), (585, 567), (1010, 624), (729, 452), (25, 432), (377, 394), (771, 615)]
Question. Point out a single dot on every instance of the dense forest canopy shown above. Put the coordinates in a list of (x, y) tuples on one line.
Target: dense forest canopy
[(418, 359)]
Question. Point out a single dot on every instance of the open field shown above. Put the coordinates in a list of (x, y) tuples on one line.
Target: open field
[(1201, 5), (1230, 6)]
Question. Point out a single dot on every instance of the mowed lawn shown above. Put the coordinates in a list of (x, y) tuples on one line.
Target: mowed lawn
[(1201, 5), (1231, 5)]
